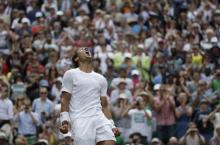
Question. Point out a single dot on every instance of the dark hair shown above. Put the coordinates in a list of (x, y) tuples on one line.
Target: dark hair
[(74, 61)]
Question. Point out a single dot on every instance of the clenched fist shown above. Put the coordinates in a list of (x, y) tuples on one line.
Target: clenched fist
[(116, 131), (64, 128)]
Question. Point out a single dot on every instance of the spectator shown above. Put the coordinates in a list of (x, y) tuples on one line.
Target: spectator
[(27, 123), (6, 106), (215, 82), (119, 113), (48, 133), (56, 89), (214, 117), (173, 141), (123, 75), (215, 139), (156, 141), (43, 106), (3, 139), (201, 117), (121, 88), (135, 139), (164, 105), (183, 115), (140, 120), (21, 140), (192, 136), (19, 104)]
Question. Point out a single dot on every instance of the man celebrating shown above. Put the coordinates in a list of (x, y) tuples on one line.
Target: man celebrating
[(84, 103)]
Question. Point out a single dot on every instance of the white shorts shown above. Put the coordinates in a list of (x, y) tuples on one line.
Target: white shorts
[(91, 130)]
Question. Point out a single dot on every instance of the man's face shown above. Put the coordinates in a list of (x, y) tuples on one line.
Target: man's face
[(43, 93), (84, 55), (4, 92), (66, 141), (156, 143)]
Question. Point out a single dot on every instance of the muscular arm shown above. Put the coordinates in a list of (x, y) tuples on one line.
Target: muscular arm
[(65, 100), (106, 109)]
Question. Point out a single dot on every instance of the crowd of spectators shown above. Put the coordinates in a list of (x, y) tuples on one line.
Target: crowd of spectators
[(161, 60)]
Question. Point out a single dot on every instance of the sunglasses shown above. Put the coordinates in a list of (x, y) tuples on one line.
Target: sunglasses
[(43, 92)]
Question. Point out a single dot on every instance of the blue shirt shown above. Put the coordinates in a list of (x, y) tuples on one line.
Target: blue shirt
[(40, 106), (26, 125)]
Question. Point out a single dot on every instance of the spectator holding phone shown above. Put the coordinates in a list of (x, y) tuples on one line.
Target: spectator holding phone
[(27, 123)]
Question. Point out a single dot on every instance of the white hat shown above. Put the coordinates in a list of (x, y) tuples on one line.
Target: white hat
[(38, 14), (214, 39), (43, 141), (59, 79), (3, 135), (157, 87), (135, 72), (25, 20), (155, 140), (127, 55), (141, 46), (59, 13), (66, 135), (122, 81), (122, 96)]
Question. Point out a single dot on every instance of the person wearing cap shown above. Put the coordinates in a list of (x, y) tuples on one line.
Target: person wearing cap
[(136, 77), (3, 139), (5, 34), (205, 127), (183, 115), (27, 122), (142, 61), (21, 140), (215, 84), (215, 140), (136, 139), (202, 92), (25, 27), (34, 66), (173, 141), (123, 75), (41, 142), (156, 141), (128, 63), (42, 105), (38, 17), (192, 136), (67, 140), (48, 133), (119, 113), (102, 51), (121, 88), (164, 104), (56, 89), (141, 120)]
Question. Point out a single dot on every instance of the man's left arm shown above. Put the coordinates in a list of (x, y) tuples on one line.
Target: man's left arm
[(106, 108)]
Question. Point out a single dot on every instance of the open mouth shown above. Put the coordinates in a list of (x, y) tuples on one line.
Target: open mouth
[(87, 51)]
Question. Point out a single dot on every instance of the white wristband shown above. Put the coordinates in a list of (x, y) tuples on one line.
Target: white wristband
[(112, 123), (64, 116)]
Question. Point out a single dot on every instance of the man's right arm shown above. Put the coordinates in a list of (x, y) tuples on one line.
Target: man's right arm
[(64, 114), (65, 100)]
